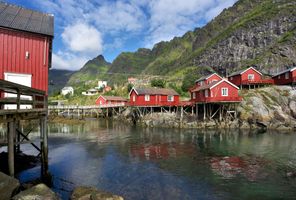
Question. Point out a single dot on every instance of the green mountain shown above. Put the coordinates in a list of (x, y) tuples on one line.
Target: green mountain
[(251, 32), (58, 79)]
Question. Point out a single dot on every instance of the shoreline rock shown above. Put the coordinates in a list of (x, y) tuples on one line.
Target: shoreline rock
[(91, 193)]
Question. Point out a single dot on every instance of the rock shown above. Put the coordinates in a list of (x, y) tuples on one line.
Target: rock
[(292, 106), (8, 186), (38, 192), (90, 193)]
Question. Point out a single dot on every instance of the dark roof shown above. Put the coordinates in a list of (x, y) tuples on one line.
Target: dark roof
[(203, 87), (241, 71), (287, 70), (237, 73), (156, 91), (114, 98), (19, 18)]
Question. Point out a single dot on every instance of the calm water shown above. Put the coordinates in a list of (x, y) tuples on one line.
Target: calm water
[(169, 163)]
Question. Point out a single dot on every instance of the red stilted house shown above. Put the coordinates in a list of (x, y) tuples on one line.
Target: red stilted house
[(25, 46), (286, 77), (153, 97), (205, 80), (217, 91), (110, 100), (208, 79), (247, 77)]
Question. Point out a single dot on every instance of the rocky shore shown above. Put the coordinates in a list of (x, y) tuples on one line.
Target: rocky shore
[(268, 108), (10, 188)]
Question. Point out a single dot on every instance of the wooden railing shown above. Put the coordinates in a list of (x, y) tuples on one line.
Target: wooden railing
[(262, 81), (65, 107), (219, 99), (23, 95)]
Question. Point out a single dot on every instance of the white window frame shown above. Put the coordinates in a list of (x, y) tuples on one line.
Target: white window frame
[(147, 97), (193, 95), (279, 76), (251, 77), (134, 98), (224, 92), (287, 74), (201, 83), (170, 98), (231, 78), (206, 93)]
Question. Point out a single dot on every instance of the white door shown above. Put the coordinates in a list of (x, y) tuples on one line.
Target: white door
[(22, 79)]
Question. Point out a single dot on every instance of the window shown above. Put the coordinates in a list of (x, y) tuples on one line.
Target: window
[(101, 102), (134, 98), (147, 97), (206, 93), (193, 95), (287, 75), (201, 83), (170, 98), (231, 78), (224, 92), (251, 77), (279, 77)]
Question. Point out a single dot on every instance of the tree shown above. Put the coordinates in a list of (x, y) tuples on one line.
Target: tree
[(157, 83), (129, 87), (188, 81)]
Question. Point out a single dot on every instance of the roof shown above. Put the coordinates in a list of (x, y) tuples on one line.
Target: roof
[(243, 71), (213, 84), (19, 18), (287, 70), (155, 91), (206, 77), (67, 88), (113, 98)]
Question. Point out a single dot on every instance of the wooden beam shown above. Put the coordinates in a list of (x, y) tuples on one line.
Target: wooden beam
[(10, 148)]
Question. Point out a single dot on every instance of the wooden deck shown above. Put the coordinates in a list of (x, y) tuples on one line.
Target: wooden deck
[(36, 103)]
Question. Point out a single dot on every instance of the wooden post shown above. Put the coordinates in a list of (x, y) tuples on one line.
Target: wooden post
[(44, 146), (204, 117), (10, 148), (196, 111), (181, 118), (18, 138), (220, 113)]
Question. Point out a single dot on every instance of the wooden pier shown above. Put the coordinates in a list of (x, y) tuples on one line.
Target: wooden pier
[(20, 103)]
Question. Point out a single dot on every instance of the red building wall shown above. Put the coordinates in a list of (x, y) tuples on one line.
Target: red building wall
[(105, 102), (13, 47), (243, 78), (209, 80), (281, 79), (215, 94), (155, 100)]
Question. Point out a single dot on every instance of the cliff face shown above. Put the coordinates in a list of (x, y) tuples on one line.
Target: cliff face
[(264, 35)]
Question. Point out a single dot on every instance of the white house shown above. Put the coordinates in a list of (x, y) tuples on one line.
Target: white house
[(67, 90), (102, 84), (90, 92)]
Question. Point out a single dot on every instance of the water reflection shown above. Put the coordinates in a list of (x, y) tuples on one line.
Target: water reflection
[(151, 163)]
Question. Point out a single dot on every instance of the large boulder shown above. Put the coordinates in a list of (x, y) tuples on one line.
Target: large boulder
[(40, 191), (90, 193), (8, 186)]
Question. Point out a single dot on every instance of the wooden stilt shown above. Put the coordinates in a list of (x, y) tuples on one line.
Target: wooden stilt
[(196, 110), (44, 146), (204, 117), (10, 148)]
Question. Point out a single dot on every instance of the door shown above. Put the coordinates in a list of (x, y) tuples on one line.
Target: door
[(22, 79)]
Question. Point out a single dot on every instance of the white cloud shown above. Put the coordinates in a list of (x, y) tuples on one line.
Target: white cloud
[(118, 16), (170, 18), (69, 61), (82, 37)]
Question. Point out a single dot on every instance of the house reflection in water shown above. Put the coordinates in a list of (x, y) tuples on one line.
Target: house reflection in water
[(161, 151)]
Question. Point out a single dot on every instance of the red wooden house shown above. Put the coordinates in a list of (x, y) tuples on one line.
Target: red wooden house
[(249, 76), (217, 91), (110, 100), (153, 97), (25, 46), (286, 77), (208, 79), (205, 80)]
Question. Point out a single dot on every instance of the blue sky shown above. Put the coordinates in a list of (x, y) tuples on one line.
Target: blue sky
[(87, 28)]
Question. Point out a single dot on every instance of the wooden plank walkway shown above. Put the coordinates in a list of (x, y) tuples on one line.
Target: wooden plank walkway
[(37, 110)]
